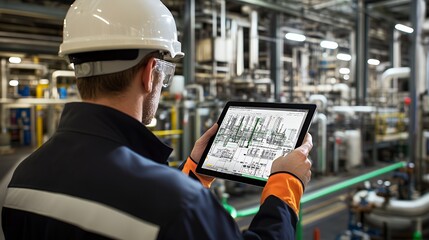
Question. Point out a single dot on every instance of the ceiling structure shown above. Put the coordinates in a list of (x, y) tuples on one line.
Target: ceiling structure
[(35, 26)]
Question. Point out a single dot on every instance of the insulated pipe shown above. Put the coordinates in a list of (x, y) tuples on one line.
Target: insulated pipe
[(200, 98), (322, 136), (319, 98), (199, 90), (345, 92), (240, 51), (51, 119), (396, 61), (304, 66), (343, 88), (55, 76), (223, 20), (344, 109), (233, 32), (394, 207), (389, 74), (254, 41)]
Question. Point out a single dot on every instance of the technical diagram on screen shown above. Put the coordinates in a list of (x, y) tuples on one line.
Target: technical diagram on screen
[(250, 136)]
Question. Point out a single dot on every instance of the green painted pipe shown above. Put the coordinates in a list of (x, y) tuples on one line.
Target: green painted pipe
[(343, 185), (321, 193)]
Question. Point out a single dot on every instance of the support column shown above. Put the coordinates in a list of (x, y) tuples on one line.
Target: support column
[(417, 13), (189, 42), (276, 55), (361, 70), (3, 94), (188, 47)]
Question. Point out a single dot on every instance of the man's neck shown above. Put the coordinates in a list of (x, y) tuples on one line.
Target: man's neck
[(130, 106)]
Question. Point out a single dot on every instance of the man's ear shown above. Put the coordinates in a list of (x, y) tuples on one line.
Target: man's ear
[(147, 75)]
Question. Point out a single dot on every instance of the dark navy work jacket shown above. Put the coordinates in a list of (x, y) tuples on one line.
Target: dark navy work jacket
[(103, 175)]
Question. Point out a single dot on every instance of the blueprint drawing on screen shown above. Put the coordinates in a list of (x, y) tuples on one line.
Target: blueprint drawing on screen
[(249, 139)]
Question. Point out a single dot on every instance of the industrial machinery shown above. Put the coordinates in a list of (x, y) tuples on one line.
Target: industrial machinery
[(389, 208), (367, 77)]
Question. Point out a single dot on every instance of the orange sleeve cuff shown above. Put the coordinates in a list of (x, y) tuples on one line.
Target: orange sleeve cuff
[(190, 168), (286, 187)]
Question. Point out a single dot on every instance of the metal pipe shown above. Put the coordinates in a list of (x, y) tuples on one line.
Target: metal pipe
[(212, 85), (3, 87), (189, 41), (361, 70), (343, 88), (348, 183), (315, 98), (33, 10), (299, 12), (396, 61), (240, 51), (345, 92), (254, 41), (328, 4), (338, 138), (395, 207), (53, 86), (223, 19), (391, 73), (332, 189), (304, 65), (276, 54), (51, 119), (3, 95), (322, 137), (198, 88), (417, 16)]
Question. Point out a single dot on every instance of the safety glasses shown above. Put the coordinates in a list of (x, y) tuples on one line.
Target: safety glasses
[(166, 71)]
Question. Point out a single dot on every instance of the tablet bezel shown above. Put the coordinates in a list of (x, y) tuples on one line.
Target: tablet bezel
[(263, 105)]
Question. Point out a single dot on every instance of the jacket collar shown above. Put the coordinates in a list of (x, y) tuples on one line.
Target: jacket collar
[(106, 122)]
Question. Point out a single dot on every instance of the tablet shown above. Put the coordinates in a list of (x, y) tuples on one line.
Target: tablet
[(250, 136)]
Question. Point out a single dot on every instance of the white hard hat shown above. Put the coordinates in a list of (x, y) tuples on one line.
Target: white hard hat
[(102, 25)]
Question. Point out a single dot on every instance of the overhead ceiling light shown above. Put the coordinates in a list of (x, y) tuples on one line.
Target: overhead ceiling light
[(346, 77), (373, 61), (295, 37), (344, 57), (15, 60), (403, 28), (328, 44), (13, 83), (344, 70)]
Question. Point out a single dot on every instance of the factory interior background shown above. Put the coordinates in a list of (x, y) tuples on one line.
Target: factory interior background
[(365, 63)]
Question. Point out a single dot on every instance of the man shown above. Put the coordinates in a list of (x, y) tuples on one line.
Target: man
[(103, 174)]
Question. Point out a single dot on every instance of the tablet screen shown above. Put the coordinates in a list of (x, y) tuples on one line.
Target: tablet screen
[(250, 138)]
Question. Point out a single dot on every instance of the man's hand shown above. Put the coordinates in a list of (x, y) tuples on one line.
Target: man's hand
[(201, 143), (296, 162)]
